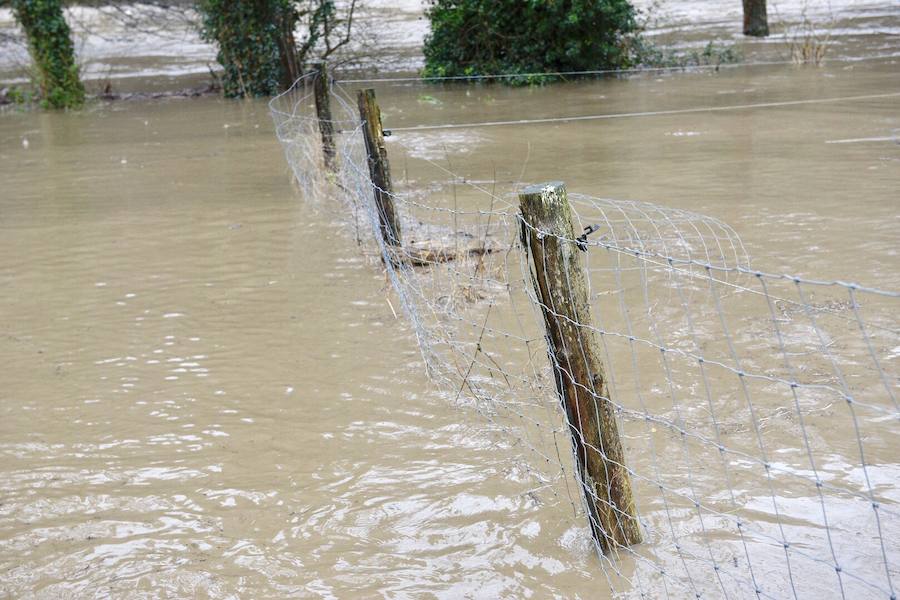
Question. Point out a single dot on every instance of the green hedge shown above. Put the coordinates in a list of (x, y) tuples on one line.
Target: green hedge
[(477, 37)]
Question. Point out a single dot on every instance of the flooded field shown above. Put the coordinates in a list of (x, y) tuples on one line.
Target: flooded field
[(207, 392)]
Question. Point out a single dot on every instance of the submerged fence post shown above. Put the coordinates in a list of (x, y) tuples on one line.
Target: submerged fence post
[(323, 114), (379, 169), (559, 282)]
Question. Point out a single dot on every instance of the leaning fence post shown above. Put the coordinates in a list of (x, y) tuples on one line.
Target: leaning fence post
[(323, 114), (559, 282), (379, 169)]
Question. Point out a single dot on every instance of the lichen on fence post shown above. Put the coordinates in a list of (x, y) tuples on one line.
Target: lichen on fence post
[(379, 168), (559, 284)]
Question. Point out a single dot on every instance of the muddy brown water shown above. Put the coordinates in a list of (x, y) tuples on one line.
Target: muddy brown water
[(205, 391)]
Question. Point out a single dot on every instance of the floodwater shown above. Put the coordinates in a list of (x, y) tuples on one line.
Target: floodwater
[(207, 392)]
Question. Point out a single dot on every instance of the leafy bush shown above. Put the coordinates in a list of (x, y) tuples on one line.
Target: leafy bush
[(51, 49), (255, 40), (477, 37)]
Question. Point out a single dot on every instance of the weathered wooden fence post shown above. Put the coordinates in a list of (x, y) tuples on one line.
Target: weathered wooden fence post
[(756, 21), (379, 168), (323, 114), (559, 282)]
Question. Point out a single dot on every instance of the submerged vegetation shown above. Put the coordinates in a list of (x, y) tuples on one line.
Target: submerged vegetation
[(806, 40), (712, 54), (16, 95)]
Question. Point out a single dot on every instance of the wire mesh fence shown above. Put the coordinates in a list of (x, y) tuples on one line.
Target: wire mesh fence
[(757, 411)]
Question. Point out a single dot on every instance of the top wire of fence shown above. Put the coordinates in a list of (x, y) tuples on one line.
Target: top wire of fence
[(758, 411)]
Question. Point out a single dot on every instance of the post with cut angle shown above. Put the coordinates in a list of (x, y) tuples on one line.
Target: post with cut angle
[(323, 115), (379, 168), (548, 237)]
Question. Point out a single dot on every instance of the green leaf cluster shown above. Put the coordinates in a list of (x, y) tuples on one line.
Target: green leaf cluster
[(255, 41), (517, 37), (51, 48)]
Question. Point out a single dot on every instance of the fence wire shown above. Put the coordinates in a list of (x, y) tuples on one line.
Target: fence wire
[(758, 411)]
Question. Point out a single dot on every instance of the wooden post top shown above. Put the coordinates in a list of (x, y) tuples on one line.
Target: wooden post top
[(542, 188), (546, 209)]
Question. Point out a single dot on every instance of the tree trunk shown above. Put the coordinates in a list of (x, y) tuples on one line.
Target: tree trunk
[(51, 48), (287, 48), (756, 22)]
